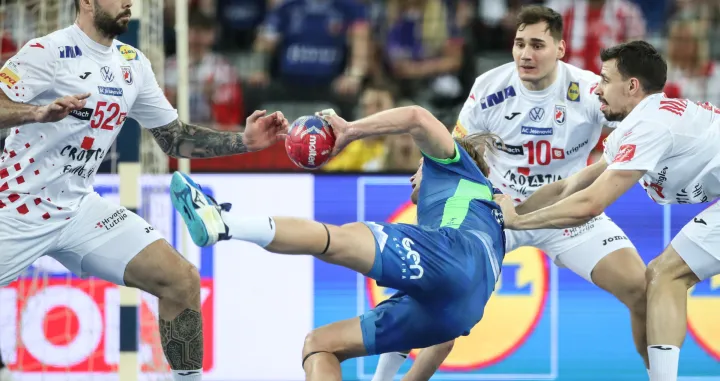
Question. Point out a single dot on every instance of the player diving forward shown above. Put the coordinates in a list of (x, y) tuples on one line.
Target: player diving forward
[(669, 146), (544, 111), (56, 143), (445, 267)]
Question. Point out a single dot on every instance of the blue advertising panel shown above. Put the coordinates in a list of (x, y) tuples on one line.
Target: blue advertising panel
[(543, 322)]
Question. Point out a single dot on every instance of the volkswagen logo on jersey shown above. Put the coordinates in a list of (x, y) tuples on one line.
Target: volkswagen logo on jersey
[(107, 74), (511, 314), (127, 74), (703, 307), (537, 114), (560, 114)]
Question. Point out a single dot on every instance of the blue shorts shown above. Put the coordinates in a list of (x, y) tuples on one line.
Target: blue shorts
[(445, 277)]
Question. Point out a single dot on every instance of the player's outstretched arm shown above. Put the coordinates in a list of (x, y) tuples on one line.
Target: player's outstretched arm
[(185, 140), (559, 190), (430, 135), (575, 210), (13, 114)]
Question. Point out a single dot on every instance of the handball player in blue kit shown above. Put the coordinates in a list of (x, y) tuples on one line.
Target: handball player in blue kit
[(445, 267)]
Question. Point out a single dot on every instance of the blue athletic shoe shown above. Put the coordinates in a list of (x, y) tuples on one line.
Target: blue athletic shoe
[(200, 212)]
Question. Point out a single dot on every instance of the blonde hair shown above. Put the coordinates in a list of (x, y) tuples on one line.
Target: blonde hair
[(477, 145)]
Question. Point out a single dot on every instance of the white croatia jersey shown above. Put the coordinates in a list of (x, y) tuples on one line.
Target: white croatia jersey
[(548, 134), (47, 168), (676, 142)]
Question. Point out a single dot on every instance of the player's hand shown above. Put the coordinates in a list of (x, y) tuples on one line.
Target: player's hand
[(341, 129), (508, 209), (60, 108), (262, 131)]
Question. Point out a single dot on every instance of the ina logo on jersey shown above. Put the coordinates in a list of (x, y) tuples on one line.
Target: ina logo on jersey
[(511, 314)]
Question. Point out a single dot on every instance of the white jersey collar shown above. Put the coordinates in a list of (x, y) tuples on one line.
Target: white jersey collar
[(94, 48), (540, 94)]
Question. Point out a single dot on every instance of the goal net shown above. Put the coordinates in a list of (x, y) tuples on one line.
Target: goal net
[(54, 325)]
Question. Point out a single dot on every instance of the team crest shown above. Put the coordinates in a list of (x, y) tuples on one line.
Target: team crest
[(560, 114), (127, 74)]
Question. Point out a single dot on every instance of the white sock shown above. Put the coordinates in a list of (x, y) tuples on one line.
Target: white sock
[(187, 375), (258, 230), (664, 361), (388, 366)]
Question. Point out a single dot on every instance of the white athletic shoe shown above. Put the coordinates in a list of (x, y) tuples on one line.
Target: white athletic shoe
[(200, 212)]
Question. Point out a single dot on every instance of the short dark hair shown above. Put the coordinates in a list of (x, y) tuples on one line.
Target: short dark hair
[(77, 6), (640, 60), (535, 14), (199, 20)]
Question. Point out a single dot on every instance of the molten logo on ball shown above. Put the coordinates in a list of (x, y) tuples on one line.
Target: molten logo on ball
[(310, 142)]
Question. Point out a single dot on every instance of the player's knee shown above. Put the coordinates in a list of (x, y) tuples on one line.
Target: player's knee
[(342, 238), (315, 342), (186, 286), (655, 272)]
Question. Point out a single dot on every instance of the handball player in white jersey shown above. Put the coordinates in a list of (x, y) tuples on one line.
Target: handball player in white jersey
[(670, 146), (65, 97), (545, 112)]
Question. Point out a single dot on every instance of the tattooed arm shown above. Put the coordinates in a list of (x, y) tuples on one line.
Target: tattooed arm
[(185, 140)]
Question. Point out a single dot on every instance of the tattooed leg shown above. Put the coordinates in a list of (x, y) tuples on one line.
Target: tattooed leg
[(182, 340), (161, 271)]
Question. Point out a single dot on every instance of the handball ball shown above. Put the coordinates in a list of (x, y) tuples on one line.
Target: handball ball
[(310, 142)]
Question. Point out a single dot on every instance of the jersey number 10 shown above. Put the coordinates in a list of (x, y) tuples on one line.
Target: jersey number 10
[(105, 116), (543, 152)]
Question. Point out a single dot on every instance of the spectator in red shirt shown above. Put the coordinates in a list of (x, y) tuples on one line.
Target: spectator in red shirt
[(215, 92), (593, 25)]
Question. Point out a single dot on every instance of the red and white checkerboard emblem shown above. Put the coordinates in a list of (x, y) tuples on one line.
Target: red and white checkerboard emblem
[(560, 114), (127, 74)]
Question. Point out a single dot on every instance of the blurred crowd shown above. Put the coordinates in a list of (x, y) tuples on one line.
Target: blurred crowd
[(365, 56)]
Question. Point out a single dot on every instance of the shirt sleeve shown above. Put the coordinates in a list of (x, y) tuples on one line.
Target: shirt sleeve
[(469, 121), (30, 72), (641, 148), (151, 109)]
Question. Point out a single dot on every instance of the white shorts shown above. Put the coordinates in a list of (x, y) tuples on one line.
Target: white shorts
[(579, 248), (98, 241), (698, 243)]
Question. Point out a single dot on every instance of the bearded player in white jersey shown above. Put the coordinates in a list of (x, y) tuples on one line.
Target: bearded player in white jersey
[(56, 143), (544, 111), (669, 146)]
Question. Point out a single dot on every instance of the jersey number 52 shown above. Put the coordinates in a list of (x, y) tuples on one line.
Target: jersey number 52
[(107, 116)]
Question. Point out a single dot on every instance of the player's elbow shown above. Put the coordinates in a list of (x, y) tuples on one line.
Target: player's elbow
[(591, 208), (421, 118)]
